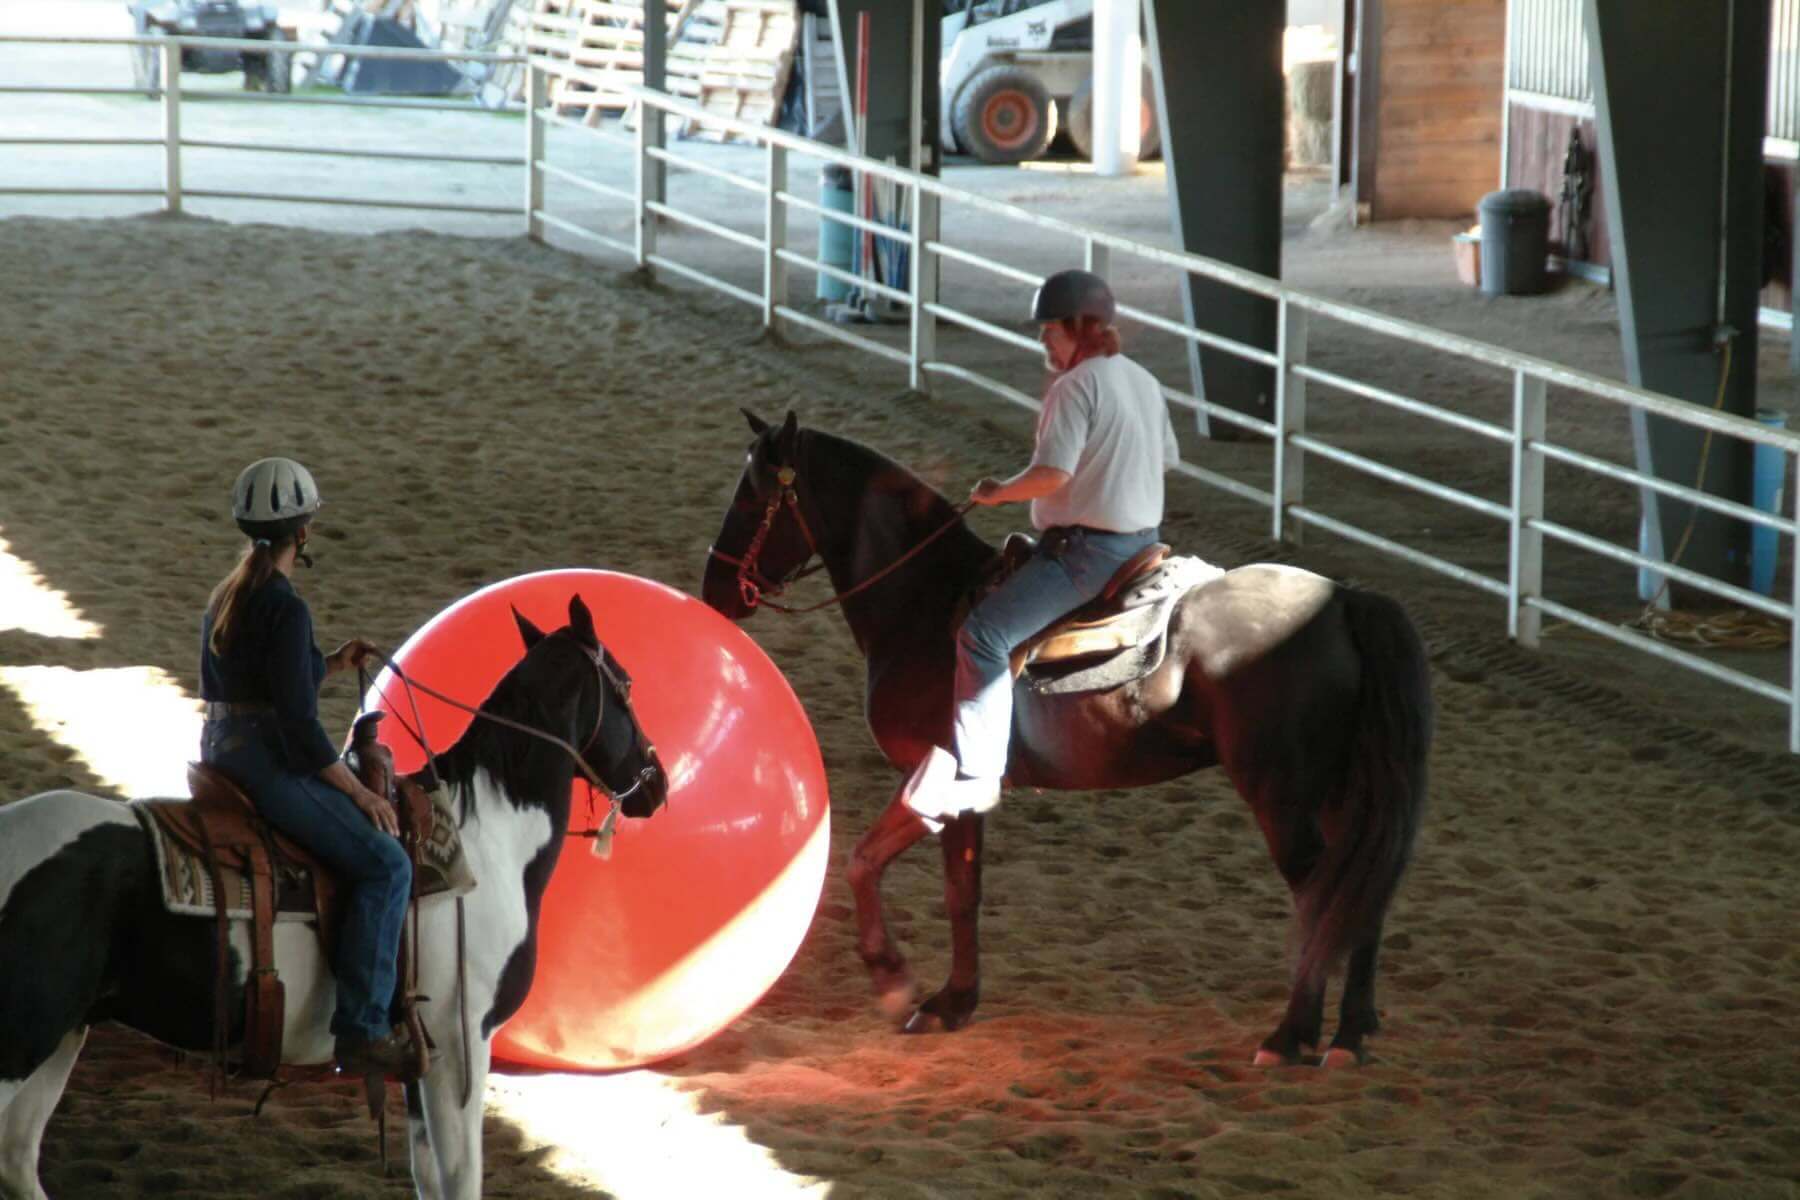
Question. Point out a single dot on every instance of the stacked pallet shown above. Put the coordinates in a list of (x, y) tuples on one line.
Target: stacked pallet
[(733, 57), (602, 39)]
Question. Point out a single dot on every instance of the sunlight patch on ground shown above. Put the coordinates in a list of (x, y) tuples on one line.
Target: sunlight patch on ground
[(638, 1135), (32, 605), (133, 727)]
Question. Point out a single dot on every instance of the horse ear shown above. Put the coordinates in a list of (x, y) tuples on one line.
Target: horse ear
[(788, 440), (758, 426), (581, 621), (531, 633)]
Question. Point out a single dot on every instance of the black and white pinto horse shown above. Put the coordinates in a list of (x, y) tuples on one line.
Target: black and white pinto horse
[(84, 936)]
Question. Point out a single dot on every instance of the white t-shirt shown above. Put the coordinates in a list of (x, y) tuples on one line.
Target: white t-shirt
[(1106, 423)]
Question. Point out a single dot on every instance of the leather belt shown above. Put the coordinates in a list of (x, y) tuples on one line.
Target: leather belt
[(218, 710)]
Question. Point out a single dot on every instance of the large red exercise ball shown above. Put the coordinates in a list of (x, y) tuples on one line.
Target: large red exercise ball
[(699, 908)]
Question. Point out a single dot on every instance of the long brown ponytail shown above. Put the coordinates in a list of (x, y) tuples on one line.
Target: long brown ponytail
[(1092, 338), (253, 569)]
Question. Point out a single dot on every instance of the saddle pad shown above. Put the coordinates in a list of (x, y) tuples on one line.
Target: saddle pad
[(187, 886), (1144, 629)]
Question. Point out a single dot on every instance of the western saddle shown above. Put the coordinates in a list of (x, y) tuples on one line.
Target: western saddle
[(221, 825), (1094, 628)]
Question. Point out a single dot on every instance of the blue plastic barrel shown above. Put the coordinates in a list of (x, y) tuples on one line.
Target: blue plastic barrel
[(1768, 475), (837, 240)]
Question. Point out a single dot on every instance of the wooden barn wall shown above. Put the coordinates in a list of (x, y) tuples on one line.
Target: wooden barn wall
[(1537, 142), (1441, 93)]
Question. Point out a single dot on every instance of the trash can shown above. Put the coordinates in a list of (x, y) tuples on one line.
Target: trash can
[(1515, 241), (837, 239)]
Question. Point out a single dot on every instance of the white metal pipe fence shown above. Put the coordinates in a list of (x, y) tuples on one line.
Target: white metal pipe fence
[(924, 237), (168, 88), (1525, 438)]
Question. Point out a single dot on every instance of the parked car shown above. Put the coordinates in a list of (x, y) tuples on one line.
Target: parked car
[(271, 71)]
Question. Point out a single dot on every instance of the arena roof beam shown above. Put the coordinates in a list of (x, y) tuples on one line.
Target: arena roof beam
[(1680, 94), (1220, 104)]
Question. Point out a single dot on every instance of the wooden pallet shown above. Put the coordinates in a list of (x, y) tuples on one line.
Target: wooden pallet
[(734, 58), (731, 56), (604, 39)]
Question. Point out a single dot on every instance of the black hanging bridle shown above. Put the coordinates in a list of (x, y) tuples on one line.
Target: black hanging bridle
[(757, 589)]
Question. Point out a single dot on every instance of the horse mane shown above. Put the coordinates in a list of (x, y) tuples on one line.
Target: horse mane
[(858, 471), (524, 766)]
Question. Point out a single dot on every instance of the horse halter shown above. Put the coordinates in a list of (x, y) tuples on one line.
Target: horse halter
[(621, 685), (756, 588)]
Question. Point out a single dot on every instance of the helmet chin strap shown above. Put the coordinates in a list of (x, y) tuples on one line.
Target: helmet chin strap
[(300, 553)]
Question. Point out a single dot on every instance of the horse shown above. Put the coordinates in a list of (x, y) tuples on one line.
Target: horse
[(1314, 697), (85, 937)]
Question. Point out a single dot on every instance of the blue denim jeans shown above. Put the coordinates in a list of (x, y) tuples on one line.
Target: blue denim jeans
[(372, 865), (1040, 592)]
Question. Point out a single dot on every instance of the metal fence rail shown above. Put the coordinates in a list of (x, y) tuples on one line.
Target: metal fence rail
[(923, 235), (174, 143)]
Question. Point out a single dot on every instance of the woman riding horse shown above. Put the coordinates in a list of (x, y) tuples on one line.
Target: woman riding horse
[(259, 675), (1095, 483)]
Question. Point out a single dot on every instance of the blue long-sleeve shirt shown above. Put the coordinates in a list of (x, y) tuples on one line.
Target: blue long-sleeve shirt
[(273, 660)]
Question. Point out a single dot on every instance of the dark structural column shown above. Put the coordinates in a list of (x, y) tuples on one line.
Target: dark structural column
[(1680, 89), (1221, 107)]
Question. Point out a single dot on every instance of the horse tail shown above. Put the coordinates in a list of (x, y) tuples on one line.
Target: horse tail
[(1372, 822)]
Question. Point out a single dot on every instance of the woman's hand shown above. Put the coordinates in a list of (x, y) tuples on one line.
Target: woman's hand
[(381, 814), (353, 653)]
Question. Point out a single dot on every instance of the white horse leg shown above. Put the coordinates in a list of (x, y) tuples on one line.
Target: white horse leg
[(454, 1130), (24, 1114), (426, 1181)]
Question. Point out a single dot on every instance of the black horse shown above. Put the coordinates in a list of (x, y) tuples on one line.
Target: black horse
[(1314, 697)]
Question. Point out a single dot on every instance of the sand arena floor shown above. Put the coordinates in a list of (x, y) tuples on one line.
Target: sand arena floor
[(1590, 972)]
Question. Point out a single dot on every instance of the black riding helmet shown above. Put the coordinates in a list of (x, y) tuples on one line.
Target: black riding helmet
[(1074, 293)]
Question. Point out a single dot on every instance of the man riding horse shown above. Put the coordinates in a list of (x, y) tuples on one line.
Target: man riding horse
[(1095, 484)]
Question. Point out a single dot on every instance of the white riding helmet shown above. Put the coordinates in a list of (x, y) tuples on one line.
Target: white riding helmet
[(273, 497)]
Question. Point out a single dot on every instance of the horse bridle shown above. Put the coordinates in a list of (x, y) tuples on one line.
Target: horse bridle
[(757, 589), (603, 675)]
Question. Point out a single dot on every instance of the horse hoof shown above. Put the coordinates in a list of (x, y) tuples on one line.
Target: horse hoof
[(895, 1003), (1269, 1058), (1338, 1057)]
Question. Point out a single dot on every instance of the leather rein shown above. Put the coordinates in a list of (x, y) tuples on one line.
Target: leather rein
[(758, 590)]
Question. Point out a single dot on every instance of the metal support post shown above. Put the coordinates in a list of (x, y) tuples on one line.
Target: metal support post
[(536, 98), (171, 107), (775, 235), (1290, 420), (649, 134), (926, 209), (1097, 257), (1525, 573)]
